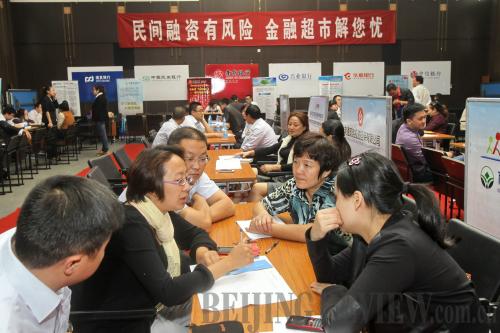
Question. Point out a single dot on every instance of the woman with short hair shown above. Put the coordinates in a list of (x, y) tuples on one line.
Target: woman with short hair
[(145, 265)]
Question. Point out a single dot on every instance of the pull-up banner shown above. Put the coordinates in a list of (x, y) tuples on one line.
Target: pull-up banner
[(257, 28)]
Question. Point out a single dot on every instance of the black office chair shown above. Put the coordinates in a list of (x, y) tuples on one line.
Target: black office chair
[(122, 158), (96, 174), (108, 168), (477, 253)]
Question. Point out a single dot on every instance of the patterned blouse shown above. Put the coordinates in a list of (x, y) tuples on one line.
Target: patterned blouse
[(289, 198)]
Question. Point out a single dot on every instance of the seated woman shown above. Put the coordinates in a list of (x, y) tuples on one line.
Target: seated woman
[(298, 124), (439, 118), (333, 130), (397, 266), (144, 266), (315, 163)]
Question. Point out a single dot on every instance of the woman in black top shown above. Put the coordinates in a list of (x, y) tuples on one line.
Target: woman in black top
[(49, 106), (397, 276), (100, 116), (144, 266), (298, 124)]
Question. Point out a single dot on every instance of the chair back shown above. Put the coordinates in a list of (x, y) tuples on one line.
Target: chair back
[(96, 174), (122, 158), (450, 129), (455, 169), (154, 121), (135, 125), (477, 253), (399, 158), (107, 166)]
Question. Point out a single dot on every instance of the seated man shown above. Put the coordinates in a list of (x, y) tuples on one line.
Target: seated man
[(177, 121), (9, 114), (196, 119), (208, 203), (62, 231), (258, 133), (409, 138), (7, 129), (315, 163), (36, 114)]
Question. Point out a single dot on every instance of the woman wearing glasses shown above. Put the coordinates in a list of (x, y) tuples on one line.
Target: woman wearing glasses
[(144, 265)]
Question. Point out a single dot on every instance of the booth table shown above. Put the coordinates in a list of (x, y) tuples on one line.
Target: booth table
[(241, 176), (436, 138), (289, 258)]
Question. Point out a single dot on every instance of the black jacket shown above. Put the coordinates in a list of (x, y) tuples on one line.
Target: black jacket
[(235, 120), (100, 108), (7, 130), (402, 275), (133, 272), (49, 105)]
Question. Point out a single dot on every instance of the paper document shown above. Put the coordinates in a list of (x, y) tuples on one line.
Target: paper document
[(253, 236), (263, 286), (279, 325), (230, 164), (229, 157)]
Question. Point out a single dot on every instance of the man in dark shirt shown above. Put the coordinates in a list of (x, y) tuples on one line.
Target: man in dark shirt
[(233, 117), (400, 98)]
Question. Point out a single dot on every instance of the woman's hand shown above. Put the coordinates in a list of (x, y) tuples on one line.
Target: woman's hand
[(269, 167), (206, 257), (318, 287), (243, 254), (261, 224), (326, 219)]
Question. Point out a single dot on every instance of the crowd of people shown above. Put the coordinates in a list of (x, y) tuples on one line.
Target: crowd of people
[(371, 256)]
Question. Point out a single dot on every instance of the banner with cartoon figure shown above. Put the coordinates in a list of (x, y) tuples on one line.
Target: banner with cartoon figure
[(367, 124), (482, 167)]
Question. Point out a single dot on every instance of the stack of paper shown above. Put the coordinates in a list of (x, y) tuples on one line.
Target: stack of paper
[(227, 164), (261, 284)]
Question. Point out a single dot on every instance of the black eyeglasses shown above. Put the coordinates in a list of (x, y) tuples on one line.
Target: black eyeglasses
[(181, 181)]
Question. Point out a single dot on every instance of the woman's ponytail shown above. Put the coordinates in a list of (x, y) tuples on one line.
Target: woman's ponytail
[(429, 216)]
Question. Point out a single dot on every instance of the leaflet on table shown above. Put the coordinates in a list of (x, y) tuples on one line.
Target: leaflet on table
[(263, 286), (229, 164), (238, 157), (245, 224)]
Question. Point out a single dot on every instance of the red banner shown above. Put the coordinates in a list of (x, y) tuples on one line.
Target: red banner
[(231, 79), (199, 90), (257, 28)]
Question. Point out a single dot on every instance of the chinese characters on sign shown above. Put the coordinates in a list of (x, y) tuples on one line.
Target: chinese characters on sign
[(262, 28), (199, 90)]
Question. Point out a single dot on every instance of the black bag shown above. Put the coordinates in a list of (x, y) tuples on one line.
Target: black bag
[(229, 326)]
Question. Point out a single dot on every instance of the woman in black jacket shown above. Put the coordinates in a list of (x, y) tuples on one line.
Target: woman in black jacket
[(397, 276), (100, 116), (49, 106), (144, 265)]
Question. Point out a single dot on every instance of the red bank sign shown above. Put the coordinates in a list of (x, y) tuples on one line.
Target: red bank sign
[(257, 28)]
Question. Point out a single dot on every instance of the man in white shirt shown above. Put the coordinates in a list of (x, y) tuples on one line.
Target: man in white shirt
[(59, 241), (207, 202), (178, 120), (36, 114), (420, 92), (258, 133), (196, 119)]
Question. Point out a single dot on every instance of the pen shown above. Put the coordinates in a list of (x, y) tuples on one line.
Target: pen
[(271, 247)]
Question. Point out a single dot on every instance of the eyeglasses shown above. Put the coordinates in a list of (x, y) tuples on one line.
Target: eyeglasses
[(181, 181), (201, 160)]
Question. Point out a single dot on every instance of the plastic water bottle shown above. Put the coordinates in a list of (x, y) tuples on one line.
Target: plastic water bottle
[(224, 131)]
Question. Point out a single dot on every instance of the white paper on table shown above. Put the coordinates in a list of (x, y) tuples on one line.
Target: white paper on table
[(229, 164), (245, 224), (229, 157), (264, 286), (279, 325)]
